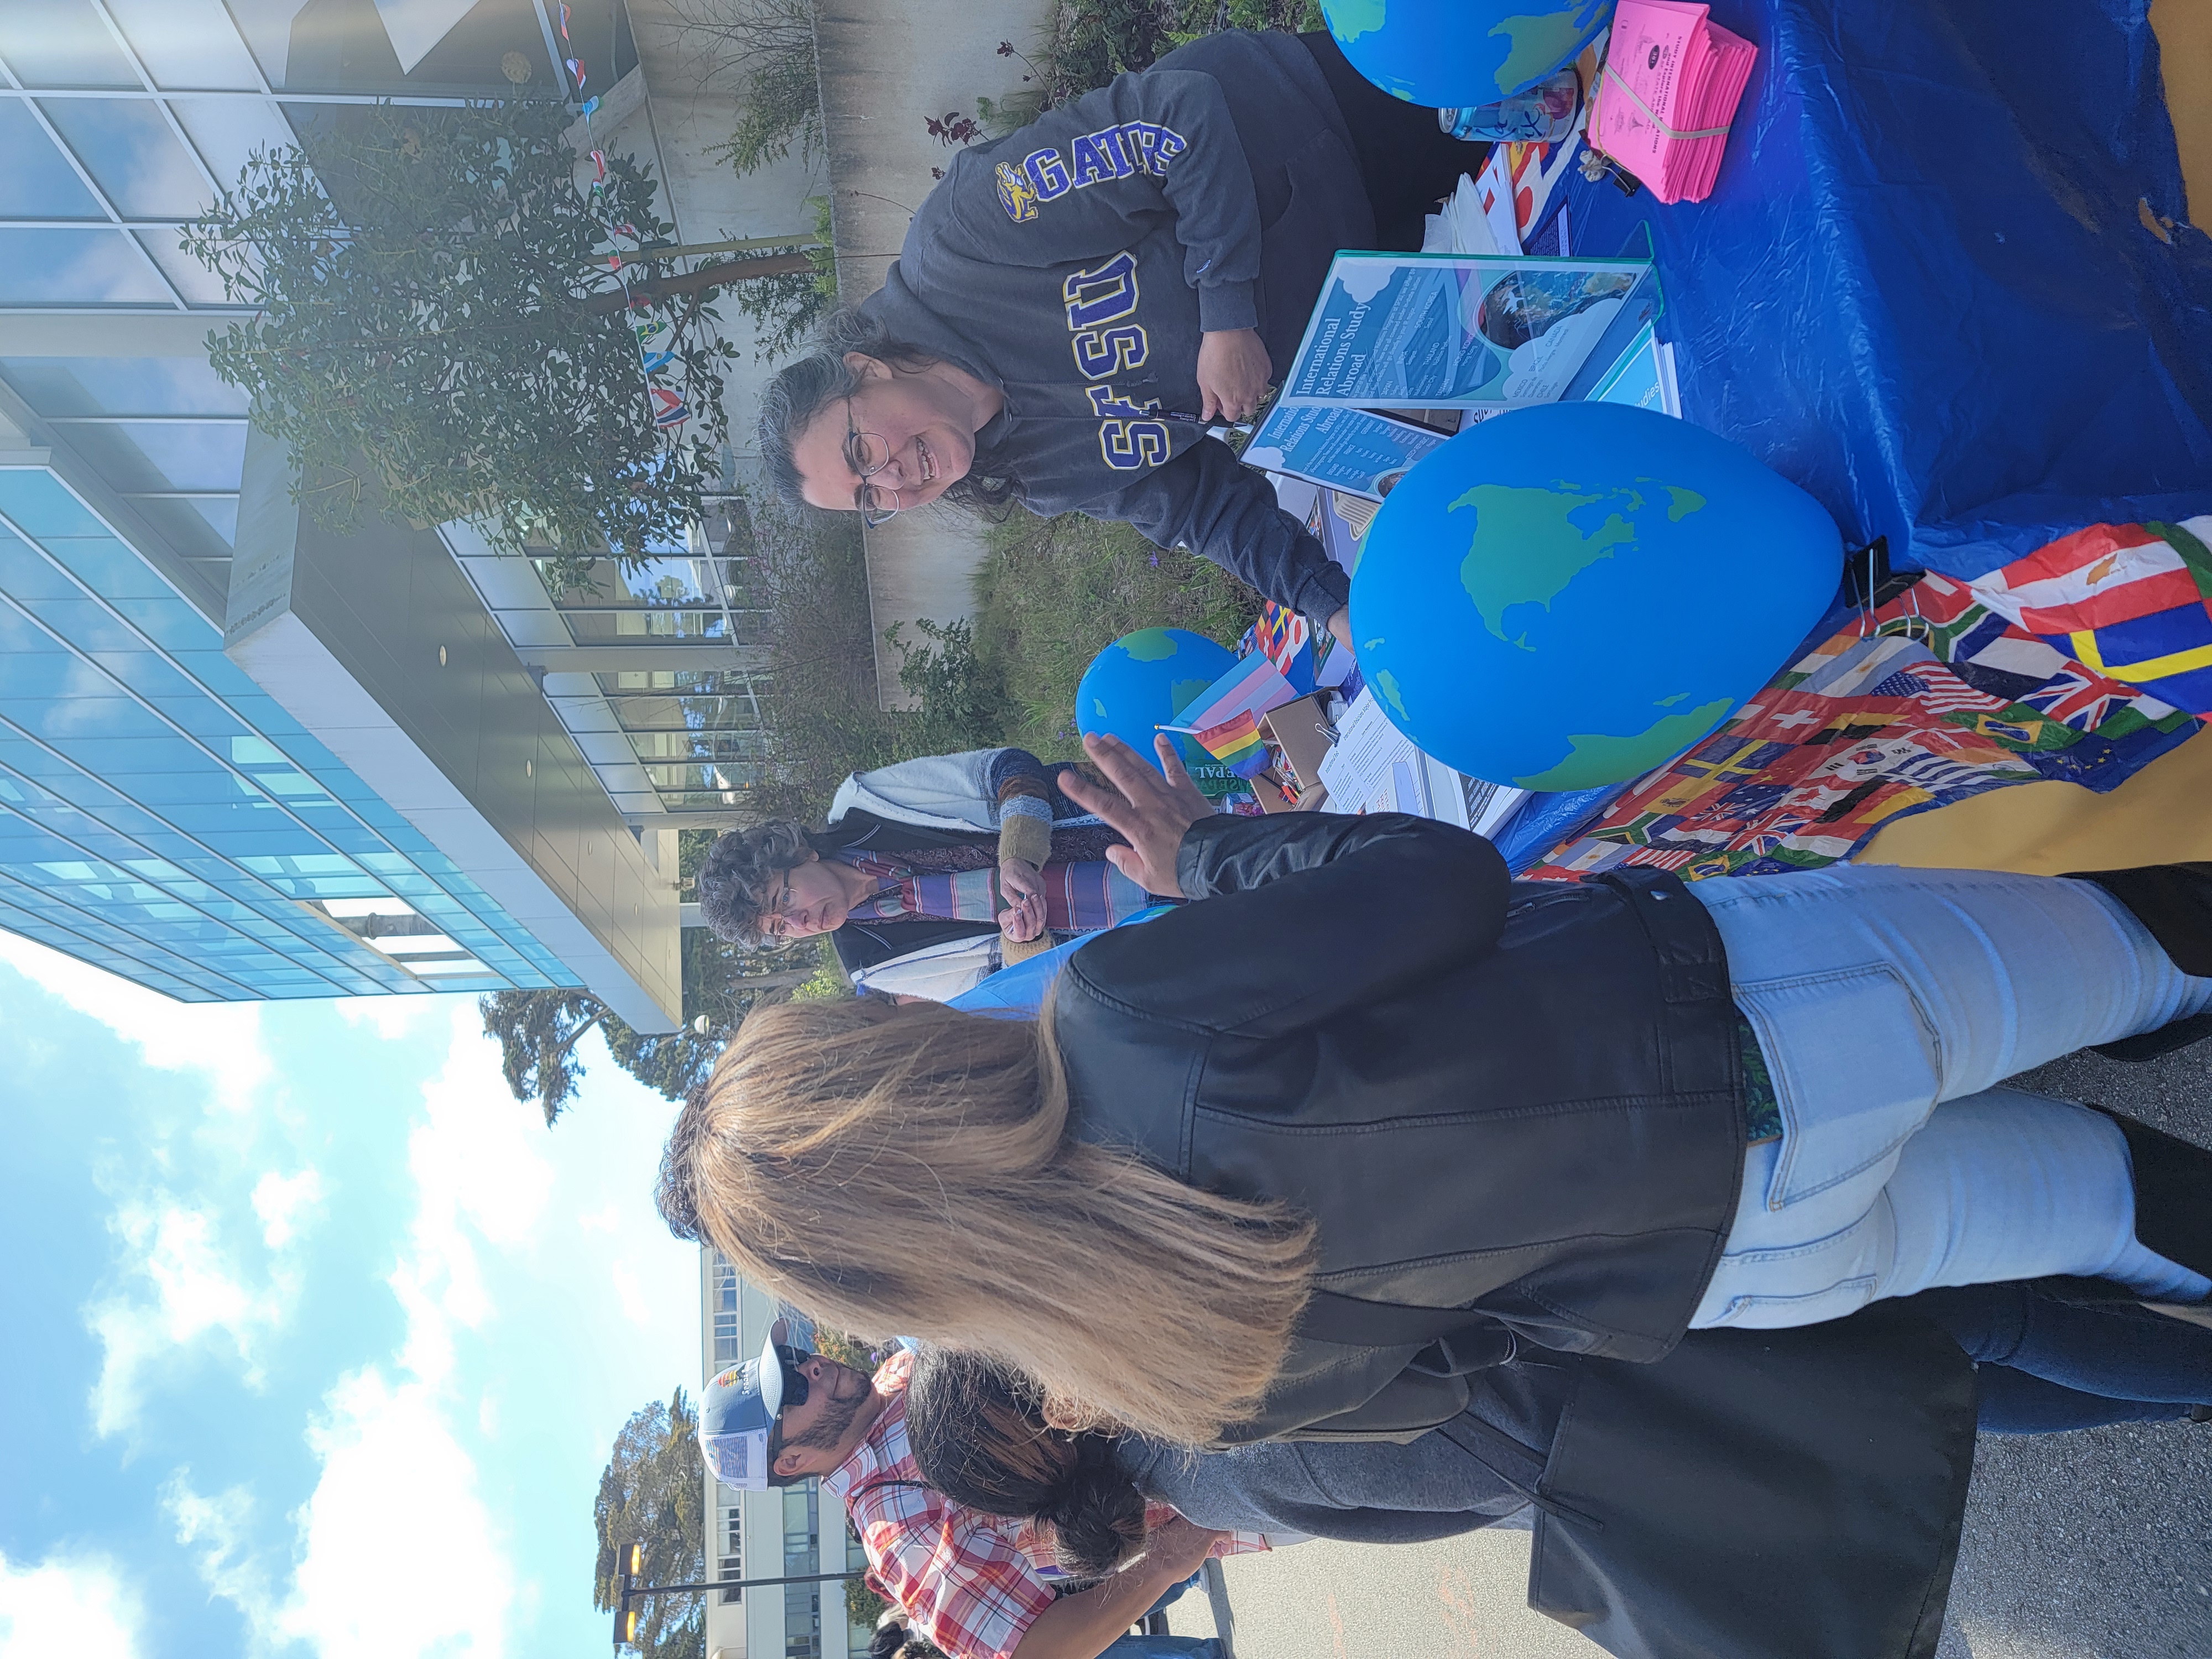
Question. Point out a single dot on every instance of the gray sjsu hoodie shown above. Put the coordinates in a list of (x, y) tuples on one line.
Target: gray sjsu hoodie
[(1075, 263)]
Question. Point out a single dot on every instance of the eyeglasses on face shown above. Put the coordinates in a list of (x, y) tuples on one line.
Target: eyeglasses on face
[(868, 454), (777, 917)]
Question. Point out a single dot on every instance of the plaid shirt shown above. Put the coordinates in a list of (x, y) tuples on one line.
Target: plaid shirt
[(972, 1583)]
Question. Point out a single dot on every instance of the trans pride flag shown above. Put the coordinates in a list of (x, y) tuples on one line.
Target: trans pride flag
[(1226, 717)]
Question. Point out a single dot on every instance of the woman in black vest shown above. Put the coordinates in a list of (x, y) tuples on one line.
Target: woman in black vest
[(1300, 1160)]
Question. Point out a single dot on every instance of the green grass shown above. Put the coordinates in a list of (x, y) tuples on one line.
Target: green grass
[(1055, 592)]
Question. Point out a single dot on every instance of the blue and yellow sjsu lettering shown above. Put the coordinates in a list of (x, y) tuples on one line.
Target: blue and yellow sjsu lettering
[(1098, 300), (1115, 152)]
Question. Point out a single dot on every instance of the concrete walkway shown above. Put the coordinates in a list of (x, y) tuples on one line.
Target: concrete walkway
[(2095, 1545)]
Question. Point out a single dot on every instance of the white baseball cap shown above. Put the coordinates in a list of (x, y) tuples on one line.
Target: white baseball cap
[(737, 1415)]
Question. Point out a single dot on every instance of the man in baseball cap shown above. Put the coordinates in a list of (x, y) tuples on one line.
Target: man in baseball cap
[(771, 1420)]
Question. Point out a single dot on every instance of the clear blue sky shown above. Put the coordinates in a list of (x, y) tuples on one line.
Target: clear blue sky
[(316, 1339)]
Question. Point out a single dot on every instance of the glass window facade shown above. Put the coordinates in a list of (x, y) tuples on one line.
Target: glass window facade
[(665, 738), (134, 832), (727, 1338), (732, 1538), (802, 1603), (163, 818)]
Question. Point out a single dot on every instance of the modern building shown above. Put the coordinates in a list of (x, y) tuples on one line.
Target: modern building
[(240, 757), (764, 1534)]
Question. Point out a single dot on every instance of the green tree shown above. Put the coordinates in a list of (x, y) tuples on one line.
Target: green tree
[(437, 317), (538, 1032), (653, 1493), (845, 1350), (786, 307), (764, 50)]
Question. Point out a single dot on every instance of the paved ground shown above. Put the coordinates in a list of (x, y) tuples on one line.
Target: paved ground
[(2089, 1546)]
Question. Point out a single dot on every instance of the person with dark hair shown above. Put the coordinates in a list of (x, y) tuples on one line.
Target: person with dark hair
[(929, 875), (977, 1586), (986, 1437), (1075, 303)]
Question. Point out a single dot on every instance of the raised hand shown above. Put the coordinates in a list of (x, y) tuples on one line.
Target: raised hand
[(1153, 810)]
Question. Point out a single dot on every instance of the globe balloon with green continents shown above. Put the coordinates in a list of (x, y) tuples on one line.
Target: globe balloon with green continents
[(1458, 52), (1143, 680), (1572, 594)]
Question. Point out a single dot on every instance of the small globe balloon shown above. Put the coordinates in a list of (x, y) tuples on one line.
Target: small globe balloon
[(1455, 53), (1143, 680), (1572, 594)]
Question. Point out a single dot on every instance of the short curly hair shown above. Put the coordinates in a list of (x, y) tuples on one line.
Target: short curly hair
[(743, 874)]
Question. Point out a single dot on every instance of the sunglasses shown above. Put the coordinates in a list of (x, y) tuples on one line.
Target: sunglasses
[(794, 1380)]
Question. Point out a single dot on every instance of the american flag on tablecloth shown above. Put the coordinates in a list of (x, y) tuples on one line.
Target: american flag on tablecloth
[(1935, 698)]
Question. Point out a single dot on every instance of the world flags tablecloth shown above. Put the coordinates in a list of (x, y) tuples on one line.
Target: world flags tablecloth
[(2133, 601), (1933, 697)]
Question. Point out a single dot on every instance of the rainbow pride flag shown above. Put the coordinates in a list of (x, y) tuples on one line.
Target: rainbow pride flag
[(1235, 742)]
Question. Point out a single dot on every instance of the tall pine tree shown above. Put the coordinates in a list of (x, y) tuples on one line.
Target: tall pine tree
[(653, 1493)]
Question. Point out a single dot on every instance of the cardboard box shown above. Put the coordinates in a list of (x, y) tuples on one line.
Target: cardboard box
[(1296, 729)]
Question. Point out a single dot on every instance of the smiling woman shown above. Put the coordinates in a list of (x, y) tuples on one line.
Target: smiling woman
[(1076, 303), (909, 436)]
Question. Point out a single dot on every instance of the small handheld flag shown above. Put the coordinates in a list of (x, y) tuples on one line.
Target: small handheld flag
[(1252, 687), (1235, 743)]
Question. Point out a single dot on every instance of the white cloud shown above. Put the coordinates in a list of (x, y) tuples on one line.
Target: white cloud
[(395, 1019), (221, 1039), (282, 1202), (631, 1294), (406, 1548), (213, 1530), (181, 1282), (480, 1173), (67, 1607), (398, 1555), (198, 1294), (401, 1556)]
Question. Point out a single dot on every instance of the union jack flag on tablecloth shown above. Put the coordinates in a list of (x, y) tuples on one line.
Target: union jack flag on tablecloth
[(2132, 602), (1933, 698)]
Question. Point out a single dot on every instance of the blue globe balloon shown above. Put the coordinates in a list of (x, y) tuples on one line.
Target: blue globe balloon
[(1455, 53), (1572, 594), (1143, 680)]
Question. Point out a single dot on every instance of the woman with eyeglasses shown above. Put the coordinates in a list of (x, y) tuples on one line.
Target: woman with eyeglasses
[(1076, 303), (929, 875)]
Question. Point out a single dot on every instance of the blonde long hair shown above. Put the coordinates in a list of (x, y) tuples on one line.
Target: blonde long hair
[(907, 1171)]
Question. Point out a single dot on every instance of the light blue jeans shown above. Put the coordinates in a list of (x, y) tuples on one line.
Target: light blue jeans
[(1889, 1005)]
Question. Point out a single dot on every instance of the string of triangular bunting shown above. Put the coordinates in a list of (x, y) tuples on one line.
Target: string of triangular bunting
[(668, 408)]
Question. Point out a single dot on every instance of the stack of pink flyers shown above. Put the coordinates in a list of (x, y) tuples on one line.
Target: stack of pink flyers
[(1669, 88)]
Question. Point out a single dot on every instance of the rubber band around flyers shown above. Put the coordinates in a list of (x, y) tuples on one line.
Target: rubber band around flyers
[(1614, 75)]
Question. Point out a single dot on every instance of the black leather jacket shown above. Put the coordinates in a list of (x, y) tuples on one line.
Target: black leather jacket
[(1521, 1098)]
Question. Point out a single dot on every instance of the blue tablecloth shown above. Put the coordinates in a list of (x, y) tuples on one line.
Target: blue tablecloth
[(1924, 286)]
